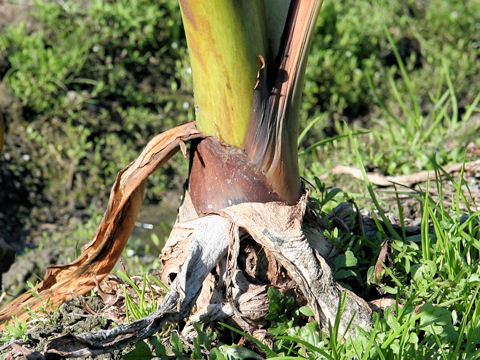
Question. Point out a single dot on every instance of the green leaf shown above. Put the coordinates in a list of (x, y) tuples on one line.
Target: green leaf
[(437, 320), (344, 273), (157, 346), (350, 259), (331, 194), (215, 354), (329, 140), (305, 310), (311, 347), (308, 127), (279, 329), (311, 334), (425, 272), (177, 345), (345, 260), (141, 352), (257, 342), (233, 352), (279, 306)]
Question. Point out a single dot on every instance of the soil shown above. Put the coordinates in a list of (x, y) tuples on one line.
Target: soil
[(77, 316), (11, 12)]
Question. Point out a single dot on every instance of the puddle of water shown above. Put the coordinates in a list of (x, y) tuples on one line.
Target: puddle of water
[(153, 225)]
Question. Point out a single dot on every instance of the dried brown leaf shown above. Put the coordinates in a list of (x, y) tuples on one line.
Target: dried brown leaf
[(382, 260), (100, 255)]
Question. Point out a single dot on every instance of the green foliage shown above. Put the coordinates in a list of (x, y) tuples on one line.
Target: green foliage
[(350, 43), (102, 51), (140, 306), (233, 352), (15, 331), (93, 82), (344, 47), (416, 136), (409, 139), (141, 351), (170, 346), (435, 279), (409, 68)]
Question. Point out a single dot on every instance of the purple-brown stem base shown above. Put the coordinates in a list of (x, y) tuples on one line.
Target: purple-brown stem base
[(221, 176)]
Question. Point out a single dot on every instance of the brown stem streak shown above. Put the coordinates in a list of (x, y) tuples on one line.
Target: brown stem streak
[(271, 140)]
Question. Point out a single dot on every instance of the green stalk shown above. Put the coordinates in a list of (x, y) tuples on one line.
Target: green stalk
[(248, 60), (224, 38)]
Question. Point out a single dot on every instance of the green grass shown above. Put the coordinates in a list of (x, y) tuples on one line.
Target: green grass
[(141, 306), (17, 330)]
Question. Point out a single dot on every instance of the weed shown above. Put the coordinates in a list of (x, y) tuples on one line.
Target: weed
[(17, 330), (141, 306)]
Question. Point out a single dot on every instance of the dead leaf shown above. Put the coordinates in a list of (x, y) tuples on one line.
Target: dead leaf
[(100, 255), (405, 180), (382, 260)]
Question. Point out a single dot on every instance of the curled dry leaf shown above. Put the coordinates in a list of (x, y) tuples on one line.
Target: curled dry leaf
[(382, 262), (383, 303), (100, 255)]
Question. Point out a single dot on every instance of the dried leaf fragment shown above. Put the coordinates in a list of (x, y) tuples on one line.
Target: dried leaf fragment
[(100, 255)]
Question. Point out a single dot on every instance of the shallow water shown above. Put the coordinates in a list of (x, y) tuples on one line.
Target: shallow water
[(153, 224)]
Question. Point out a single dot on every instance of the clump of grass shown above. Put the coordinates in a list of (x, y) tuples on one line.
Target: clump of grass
[(141, 305), (435, 280), (415, 134)]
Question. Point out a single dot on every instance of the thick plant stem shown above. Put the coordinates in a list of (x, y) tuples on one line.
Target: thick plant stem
[(225, 34), (224, 39), (222, 175)]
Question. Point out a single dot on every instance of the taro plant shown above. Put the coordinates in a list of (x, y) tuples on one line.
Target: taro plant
[(248, 61)]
